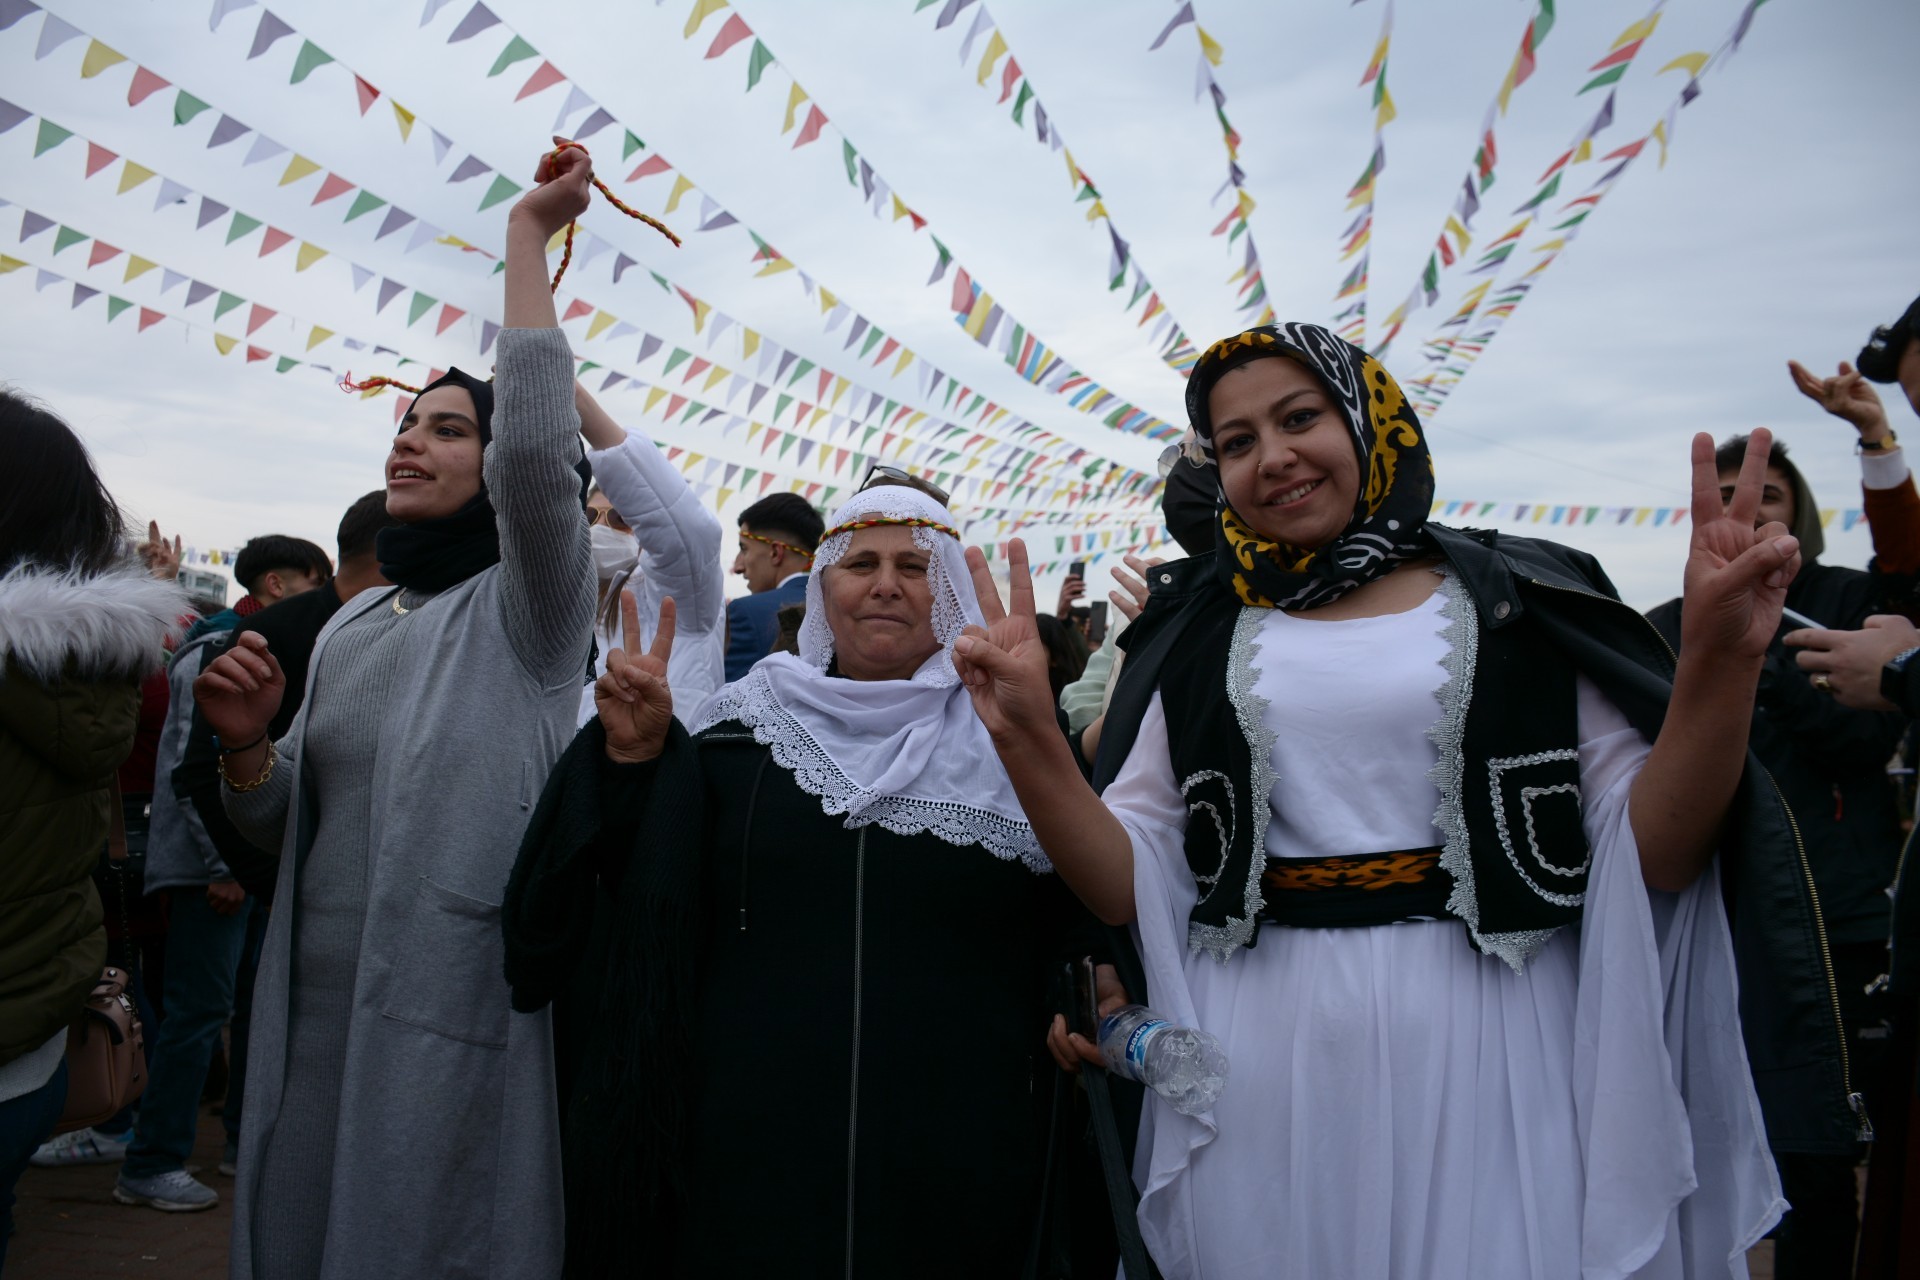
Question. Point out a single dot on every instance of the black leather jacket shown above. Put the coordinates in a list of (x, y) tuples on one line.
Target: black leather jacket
[(1788, 998)]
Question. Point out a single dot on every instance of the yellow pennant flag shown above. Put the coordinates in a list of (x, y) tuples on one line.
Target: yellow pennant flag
[(1387, 111), (827, 301), (137, 266), (1583, 152), (1826, 516), (600, 323), (371, 392), (982, 308), (1073, 170), (814, 421), (1359, 243), (1246, 203), (298, 168), (98, 59), (915, 420), (900, 367), (749, 343), (1640, 514), (1209, 46), (1550, 246), (1236, 275), (1459, 232), (225, 343), (700, 310), (1660, 132), (1692, 63), (702, 10), (774, 267), (995, 47), (405, 119), (715, 376), (8, 263), (132, 175), (557, 239), (1099, 210), (318, 336), (654, 396), (754, 429), (725, 493), (681, 185), (308, 255), (900, 210), (839, 389), (1638, 31), (997, 415), (795, 96)]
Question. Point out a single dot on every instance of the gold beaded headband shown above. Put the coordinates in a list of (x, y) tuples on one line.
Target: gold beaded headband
[(911, 522), (775, 542)]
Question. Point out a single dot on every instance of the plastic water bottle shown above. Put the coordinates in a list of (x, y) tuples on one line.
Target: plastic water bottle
[(1184, 1065)]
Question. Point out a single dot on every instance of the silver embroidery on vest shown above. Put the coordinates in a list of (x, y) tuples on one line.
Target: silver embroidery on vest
[(1249, 709)]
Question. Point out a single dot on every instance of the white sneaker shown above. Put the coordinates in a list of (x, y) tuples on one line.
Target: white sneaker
[(82, 1146), (175, 1191)]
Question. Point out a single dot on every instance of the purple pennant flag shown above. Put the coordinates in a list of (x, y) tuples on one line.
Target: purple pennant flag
[(620, 264), (396, 218), (1179, 19), (1611, 174), (226, 131), (1739, 28), (441, 145), (210, 210), (1219, 94), (433, 7), (43, 277), (1040, 122), (478, 19), (471, 167), (263, 148), (786, 362), (360, 276), (613, 379), (170, 280), (389, 290), (1469, 203), (11, 115), (755, 396), (981, 21), (198, 293), (1604, 117), (82, 292), (1689, 93), (422, 233), (171, 192), (11, 11), (576, 99), (32, 224), (488, 332), (269, 30), (648, 345), (221, 8), (718, 220), (594, 123), (948, 14), (854, 331), (53, 34), (384, 351), (866, 178)]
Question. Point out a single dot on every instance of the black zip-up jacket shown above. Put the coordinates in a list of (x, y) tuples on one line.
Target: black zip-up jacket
[(1788, 999)]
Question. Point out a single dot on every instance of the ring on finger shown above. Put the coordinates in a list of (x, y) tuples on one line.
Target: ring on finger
[(1823, 682)]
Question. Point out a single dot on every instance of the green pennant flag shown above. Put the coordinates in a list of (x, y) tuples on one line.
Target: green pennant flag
[(978, 400), (800, 369), (678, 358), (746, 477), (853, 172), (695, 407), (1139, 291), (1610, 76), (1542, 23), (115, 306), (242, 224), (786, 443), (586, 365), (780, 405), (924, 4), (631, 145), (758, 61), (873, 339), (420, 306), (661, 281), (66, 238), (186, 107), (51, 136), (1020, 102), (867, 439), (1575, 220), (516, 50), (1542, 196), (285, 363), (502, 188), (365, 202), (311, 56), (227, 303)]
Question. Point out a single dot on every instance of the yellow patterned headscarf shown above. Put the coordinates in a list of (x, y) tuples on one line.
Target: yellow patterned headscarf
[(1396, 471)]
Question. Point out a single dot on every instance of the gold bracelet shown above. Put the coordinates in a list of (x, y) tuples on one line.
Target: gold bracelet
[(241, 788)]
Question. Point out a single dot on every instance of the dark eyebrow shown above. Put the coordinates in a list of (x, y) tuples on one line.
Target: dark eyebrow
[(1273, 410), (444, 415)]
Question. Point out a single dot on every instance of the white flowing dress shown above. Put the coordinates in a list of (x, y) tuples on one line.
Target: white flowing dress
[(1400, 1106)]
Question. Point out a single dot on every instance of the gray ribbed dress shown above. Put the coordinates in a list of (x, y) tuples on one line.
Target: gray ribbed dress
[(401, 1119)]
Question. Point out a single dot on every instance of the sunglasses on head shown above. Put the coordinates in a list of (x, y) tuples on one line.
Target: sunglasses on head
[(880, 473)]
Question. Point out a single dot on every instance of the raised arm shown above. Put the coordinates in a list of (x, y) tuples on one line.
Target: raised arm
[(1736, 583), (1004, 666), (547, 582)]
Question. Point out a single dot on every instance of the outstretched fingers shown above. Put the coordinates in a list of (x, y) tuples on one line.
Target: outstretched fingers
[(1753, 478), (629, 625), (663, 634), (1020, 597), (1706, 483), (984, 587)]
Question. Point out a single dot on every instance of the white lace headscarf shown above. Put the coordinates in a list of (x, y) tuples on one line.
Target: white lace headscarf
[(908, 754)]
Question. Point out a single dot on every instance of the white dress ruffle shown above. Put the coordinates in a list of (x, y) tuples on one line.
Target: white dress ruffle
[(1400, 1106)]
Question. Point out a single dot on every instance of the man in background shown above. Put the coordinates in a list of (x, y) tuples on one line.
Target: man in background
[(270, 568), (778, 536)]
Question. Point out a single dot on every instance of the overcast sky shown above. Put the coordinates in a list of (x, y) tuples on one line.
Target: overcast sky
[(1781, 225)]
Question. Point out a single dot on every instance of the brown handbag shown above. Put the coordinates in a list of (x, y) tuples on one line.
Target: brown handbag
[(106, 1068)]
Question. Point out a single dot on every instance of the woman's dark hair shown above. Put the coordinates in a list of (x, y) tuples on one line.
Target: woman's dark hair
[(361, 526), (1066, 660), (54, 511)]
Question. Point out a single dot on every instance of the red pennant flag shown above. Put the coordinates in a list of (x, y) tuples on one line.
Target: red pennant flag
[(675, 404), (916, 219), (434, 375), (330, 186), (274, 239), (368, 94), (651, 165), (257, 353), (962, 299), (730, 35), (887, 348), (816, 120), (576, 309), (1009, 78), (826, 380), (258, 316), (149, 318), (145, 85), (1446, 252), (812, 489), (448, 314), (98, 158), (1624, 53), (544, 77), (102, 252), (1627, 152), (1226, 221), (698, 367), (401, 406)]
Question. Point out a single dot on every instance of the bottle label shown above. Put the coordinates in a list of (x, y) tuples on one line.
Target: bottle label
[(1137, 1040)]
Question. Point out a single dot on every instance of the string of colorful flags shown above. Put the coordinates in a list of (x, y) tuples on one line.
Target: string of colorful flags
[(1169, 335), (1580, 514), (1250, 274), (1351, 323)]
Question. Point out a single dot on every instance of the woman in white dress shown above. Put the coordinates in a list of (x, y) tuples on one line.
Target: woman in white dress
[(1347, 734)]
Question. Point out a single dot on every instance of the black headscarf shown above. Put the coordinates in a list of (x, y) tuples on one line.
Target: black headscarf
[(1396, 489), (432, 555)]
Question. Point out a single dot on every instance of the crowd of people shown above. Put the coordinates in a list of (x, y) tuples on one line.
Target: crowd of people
[(548, 913)]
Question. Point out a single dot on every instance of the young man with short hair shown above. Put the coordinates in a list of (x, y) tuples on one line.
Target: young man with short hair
[(778, 535)]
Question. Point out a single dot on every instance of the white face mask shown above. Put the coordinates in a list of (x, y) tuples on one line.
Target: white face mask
[(614, 552)]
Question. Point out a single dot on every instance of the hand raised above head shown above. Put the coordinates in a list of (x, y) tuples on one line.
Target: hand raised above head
[(1004, 664), (561, 189), (1736, 575), (1847, 396), (633, 698)]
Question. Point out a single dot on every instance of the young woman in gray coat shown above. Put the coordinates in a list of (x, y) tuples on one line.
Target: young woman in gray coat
[(400, 1117)]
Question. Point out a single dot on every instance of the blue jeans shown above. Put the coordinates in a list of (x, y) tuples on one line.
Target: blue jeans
[(203, 955), (25, 1123)]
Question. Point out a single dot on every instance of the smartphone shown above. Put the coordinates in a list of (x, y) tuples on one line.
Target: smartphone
[(1078, 569), (1086, 1006), (1799, 619), (1096, 623)]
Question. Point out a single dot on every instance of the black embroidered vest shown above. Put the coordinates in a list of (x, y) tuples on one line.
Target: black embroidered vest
[(1508, 775)]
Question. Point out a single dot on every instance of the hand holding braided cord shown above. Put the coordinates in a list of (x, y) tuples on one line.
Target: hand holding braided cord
[(548, 167)]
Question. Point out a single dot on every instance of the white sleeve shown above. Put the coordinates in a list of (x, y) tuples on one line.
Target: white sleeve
[(1883, 468), (679, 538)]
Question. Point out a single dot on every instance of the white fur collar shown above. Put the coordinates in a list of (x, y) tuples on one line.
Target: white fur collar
[(112, 624)]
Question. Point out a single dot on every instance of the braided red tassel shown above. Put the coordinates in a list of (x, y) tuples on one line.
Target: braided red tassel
[(566, 257)]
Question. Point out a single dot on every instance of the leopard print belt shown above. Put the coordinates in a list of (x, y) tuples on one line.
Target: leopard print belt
[(1356, 891)]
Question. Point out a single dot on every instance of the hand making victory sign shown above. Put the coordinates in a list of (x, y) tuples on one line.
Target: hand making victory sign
[(1004, 664), (1737, 575), (633, 698)]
